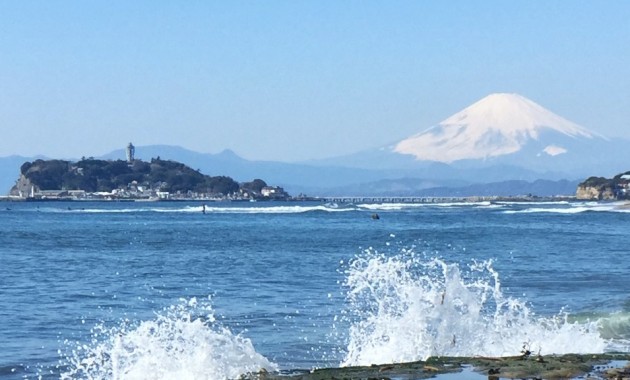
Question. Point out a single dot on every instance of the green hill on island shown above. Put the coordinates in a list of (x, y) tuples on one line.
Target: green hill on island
[(600, 188), (91, 175)]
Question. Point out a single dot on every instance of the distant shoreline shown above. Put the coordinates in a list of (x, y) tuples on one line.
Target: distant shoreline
[(348, 199), (47, 200)]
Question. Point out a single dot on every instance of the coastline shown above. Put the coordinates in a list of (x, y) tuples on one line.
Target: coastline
[(527, 366), (333, 199), (146, 200)]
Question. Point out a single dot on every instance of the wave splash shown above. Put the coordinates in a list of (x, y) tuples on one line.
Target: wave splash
[(408, 308), (183, 342)]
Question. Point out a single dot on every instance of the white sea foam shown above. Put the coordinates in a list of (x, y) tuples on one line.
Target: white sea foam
[(533, 210), (402, 206), (182, 342), (224, 209), (533, 203), (575, 208), (490, 206), (390, 206), (406, 308), (273, 209)]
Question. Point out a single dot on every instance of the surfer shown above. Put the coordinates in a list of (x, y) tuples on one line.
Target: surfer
[(203, 208), (375, 216)]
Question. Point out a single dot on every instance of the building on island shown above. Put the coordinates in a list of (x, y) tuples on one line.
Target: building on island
[(273, 192), (131, 150)]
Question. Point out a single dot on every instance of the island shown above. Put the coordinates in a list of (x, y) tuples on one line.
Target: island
[(600, 188), (133, 179)]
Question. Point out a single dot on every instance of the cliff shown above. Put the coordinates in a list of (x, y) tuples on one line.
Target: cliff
[(600, 188), (23, 187)]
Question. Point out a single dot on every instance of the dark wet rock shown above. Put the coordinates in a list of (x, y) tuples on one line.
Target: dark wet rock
[(514, 367)]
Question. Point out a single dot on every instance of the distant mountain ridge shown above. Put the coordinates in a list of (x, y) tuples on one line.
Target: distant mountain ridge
[(336, 181), (412, 187), (288, 175), (503, 137)]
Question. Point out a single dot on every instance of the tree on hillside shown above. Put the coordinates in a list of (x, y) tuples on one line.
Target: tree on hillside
[(47, 175), (221, 185), (254, 186)]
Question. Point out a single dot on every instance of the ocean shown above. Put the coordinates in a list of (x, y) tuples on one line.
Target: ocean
[(162, 290)]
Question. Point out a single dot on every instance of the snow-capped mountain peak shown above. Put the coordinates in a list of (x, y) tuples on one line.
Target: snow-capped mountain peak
[(496, 125)]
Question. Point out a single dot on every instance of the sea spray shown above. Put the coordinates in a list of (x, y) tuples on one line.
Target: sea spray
[(407, 307), (183, 341)]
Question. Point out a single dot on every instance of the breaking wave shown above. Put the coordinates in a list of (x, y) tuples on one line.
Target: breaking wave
[(183, 342), (198, 209), (405, 308), (575, 208), (411, 206)]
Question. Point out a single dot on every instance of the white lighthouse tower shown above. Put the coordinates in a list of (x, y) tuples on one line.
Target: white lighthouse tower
[(131, 150)]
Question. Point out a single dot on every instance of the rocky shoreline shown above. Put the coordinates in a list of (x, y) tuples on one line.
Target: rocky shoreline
[(526, 366)]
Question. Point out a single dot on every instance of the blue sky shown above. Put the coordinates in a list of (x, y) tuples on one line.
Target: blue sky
[(295, 80)]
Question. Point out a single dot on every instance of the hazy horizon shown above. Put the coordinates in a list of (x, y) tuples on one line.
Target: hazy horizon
[(289, 81)]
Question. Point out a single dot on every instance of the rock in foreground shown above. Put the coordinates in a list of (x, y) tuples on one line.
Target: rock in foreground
[(596, 366)]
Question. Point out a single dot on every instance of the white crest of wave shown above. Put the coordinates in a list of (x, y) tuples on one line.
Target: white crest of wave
[(182, 342), (405, 309), (226, 208), (402, 206), (270, 209), (509, 203), (575, 208)]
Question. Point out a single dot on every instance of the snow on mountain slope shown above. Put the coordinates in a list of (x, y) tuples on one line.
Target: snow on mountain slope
[(497, 125)]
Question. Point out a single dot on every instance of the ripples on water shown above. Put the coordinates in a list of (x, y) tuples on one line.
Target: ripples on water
[(104, 291)]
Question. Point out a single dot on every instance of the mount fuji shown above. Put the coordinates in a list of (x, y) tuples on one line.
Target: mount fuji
[(497, 125), (500, 137)]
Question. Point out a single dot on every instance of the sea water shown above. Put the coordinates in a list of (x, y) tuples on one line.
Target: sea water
[(163, 290)]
